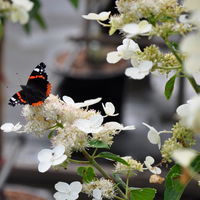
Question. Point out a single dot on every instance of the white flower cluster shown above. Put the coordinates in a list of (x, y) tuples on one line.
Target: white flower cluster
[(16, 10), (128, 51), (190, 44), (101, 188), (70, 124)]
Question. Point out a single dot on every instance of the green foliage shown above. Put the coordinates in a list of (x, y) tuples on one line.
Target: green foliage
[(75, 3), (87, 173), (142, 194), (173, 187), (34, 14), (169, 87), (98, 144), (113, 157)]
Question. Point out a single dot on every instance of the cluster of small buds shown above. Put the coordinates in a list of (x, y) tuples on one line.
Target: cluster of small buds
[(169, 146), (104, 185), (183, 135), (16, 10), (134, 165)]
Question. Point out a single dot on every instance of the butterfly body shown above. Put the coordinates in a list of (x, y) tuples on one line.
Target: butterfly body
[(35, 91)]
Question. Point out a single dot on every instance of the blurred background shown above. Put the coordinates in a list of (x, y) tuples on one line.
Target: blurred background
[(74, 51)]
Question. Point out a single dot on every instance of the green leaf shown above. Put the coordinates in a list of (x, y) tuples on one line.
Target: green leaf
[(142, 194), (40, 20), (112, 156), (195, 165), (98, 144), (87, 173), (173, 187), (75, 3), (169, 87), (50, 135)]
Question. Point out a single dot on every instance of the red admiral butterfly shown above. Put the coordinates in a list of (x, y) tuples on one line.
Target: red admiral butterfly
[(35, 91)]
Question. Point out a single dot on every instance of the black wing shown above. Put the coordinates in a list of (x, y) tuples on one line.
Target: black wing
[(18, 98)]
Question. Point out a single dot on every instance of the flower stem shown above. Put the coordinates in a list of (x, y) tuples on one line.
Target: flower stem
[(79, 161), (192, 81), (101, 170)]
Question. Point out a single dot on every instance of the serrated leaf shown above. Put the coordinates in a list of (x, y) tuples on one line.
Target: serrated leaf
[(113, 157), (142, 194), (87, 173), (75, 3), (98, 144), (169, 87)]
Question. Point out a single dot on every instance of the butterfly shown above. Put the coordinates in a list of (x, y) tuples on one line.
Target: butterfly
[(35, 91)]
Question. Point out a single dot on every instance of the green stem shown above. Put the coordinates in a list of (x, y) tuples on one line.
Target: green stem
[(169, 68), (116, 197), (100, 169), (192, 81), (79, 161), (127, 184)]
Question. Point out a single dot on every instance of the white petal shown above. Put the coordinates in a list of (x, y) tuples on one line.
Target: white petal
[(93, 16), (109, 108), (83, 125), (68, 100), (132, 127), (155, 170), (182, 110), (62, 187), (150, 160), (113, 57), (76, 186), (96, 120), (131, 29), (104, 15), (97, 194), (60, 196), (113, 126), (73, 196), (184, 157), (145, 65), (91, 102), (7, 127), (17, 127), (58, 150), (26, 4), (134, 73), (45, 155), (144, 27), (44, 166), (59, 160)]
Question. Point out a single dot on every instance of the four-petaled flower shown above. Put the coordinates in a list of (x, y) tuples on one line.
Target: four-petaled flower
[(133, 29), (140, 71), (91, 125), (153, 135), (102, 16), (148, 162), (48, 157), (125, 51), (9, 127), (67, 191), (109, 109), (97, 194)]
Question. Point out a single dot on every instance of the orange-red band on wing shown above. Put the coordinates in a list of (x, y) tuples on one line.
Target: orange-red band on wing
[(37, 103), (48, 89), (37, 76), (20, 97)]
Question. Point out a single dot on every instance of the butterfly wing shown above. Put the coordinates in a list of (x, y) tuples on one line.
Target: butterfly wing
[(38, 88), (18, 98)]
